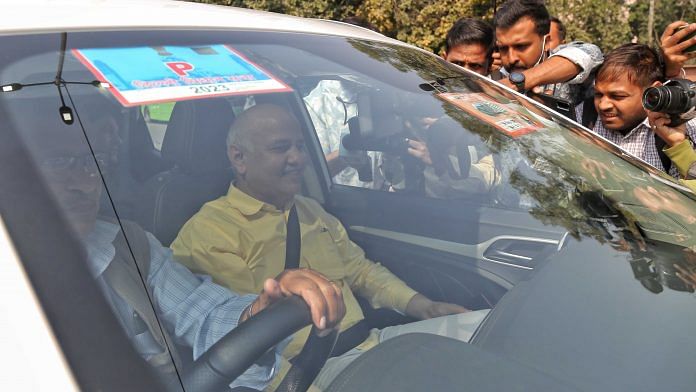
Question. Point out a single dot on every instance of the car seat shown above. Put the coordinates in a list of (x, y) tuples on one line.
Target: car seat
[(195, 144)]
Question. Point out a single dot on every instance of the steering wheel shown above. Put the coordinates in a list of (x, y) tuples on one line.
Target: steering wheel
[(229, 357)]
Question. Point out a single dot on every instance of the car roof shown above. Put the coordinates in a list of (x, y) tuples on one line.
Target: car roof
[(39, 16)]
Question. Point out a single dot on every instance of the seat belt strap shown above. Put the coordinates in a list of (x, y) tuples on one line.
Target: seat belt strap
[(129, 287), (352, 336), (293, 240), (123, 278)]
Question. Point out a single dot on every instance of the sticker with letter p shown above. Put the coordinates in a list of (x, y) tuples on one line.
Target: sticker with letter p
[(181, 68)]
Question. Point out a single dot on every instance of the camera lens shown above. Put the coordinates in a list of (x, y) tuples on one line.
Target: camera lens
[(655, 99)]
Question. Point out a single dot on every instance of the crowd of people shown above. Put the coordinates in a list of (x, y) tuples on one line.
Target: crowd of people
[(525, 49)]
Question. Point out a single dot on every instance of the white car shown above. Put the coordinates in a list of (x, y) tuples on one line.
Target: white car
[(469, 192)]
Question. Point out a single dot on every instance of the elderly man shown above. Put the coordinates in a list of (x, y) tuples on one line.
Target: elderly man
[(241, 239), (195, 311)]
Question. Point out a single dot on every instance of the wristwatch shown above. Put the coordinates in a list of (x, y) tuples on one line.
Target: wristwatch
[(517, 78)]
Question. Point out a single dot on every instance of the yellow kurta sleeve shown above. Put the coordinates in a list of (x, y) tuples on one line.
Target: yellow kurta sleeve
[(368, 279), (683, 156)]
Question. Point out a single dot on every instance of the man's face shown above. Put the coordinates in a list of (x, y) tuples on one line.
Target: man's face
[(471, 56), (71, 173), (271, 169), (619, 103), (520, 46), (554, 37)]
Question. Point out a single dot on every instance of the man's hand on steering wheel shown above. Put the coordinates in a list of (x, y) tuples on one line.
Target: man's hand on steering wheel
[(323, 296)]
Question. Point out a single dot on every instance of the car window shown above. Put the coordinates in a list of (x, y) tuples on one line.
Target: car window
[(156, 117), (75, 153), (461, 188)]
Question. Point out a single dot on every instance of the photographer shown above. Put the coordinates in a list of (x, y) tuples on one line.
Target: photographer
[(618, 99), (677, 48)]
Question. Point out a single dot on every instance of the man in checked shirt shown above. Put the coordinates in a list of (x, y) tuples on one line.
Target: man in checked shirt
[(627, 71)]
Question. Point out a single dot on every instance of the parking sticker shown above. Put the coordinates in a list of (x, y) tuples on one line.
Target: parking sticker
[(504, 118), (151, 74)]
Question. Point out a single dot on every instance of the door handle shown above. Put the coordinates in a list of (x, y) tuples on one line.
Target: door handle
[(517, 251)]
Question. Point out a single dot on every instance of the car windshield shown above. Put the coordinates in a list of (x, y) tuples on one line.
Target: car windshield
[(463, 189)]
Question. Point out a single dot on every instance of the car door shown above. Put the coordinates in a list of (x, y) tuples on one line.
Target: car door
[(467, 249)]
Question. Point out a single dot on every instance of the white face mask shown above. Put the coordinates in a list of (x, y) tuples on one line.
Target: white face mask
[(543, 51)]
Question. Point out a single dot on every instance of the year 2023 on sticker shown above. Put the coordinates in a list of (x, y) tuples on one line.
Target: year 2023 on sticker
[(174, 73)]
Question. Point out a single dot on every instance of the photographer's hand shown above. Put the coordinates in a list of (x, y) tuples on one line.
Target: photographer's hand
[(671, 135), (497, 62), (419, 150), (673, 50)]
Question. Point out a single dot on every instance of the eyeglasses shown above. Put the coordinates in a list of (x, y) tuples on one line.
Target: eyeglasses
[(86, 162)]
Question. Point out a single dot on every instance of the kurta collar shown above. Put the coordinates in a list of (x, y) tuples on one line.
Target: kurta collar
[(248, 205)]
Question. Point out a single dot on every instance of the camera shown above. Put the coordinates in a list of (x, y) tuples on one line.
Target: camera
[(677, 98)]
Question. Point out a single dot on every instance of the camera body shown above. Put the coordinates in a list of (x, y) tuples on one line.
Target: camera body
[(677, 97)]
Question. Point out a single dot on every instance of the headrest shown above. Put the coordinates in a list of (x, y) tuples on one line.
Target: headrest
[(196, 135)]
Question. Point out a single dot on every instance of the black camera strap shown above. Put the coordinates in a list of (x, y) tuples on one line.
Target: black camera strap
[(589, 112), (660, 145)]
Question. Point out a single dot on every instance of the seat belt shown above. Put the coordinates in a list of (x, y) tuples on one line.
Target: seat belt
[(125, 280), (293, 240), (352, 336)]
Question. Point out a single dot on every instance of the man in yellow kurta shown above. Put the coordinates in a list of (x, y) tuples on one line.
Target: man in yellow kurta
[(239, 239)]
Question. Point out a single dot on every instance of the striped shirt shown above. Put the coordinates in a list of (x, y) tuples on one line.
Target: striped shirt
[(640, 142), (194, 310)]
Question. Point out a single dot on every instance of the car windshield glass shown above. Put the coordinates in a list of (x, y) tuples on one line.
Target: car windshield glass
[(454, 185)]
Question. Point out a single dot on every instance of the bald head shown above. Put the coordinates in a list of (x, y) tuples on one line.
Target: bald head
[(267, 152), (258, 120)]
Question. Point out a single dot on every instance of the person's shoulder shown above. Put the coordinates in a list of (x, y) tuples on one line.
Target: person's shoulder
[(313, 208), (215, 215), (584, 46), (309, 204), (574, 44)]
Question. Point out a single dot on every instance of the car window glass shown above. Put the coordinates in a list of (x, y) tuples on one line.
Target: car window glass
[(378, 119), (156, 116), (73, 162)]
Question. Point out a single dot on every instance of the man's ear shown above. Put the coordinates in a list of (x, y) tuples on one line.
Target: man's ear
[(237, 159), (443, 54)]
